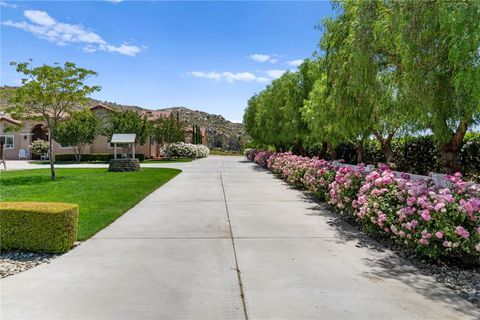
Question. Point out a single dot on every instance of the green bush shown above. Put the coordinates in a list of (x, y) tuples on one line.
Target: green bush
[(38, 226), (102, 157), (413, 154)]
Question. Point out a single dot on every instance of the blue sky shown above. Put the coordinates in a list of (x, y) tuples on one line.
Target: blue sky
[(210, 56)]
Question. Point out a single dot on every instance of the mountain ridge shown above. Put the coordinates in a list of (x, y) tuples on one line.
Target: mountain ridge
[(221, 133)]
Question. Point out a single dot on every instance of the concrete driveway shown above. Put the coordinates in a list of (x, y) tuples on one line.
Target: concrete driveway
[(226, 240)]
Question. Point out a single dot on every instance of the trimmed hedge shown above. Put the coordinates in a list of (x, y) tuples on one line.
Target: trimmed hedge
[(103, 157), (413, 154), (38, 226)]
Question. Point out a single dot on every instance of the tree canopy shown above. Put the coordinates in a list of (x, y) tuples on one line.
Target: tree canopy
[(384, 69), (51, 93)]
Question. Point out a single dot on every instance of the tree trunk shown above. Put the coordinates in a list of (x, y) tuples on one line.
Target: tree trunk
[(323, 150), (331, 151), (387, 151), (51, 158), (360, 151), (386, 145), (298, 148), (78, 154), (450, 157), (450, 150)]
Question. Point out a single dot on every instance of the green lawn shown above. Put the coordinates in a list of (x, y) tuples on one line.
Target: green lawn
[(102, 196)]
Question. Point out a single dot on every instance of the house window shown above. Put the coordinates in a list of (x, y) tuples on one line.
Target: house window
[(7, 142)]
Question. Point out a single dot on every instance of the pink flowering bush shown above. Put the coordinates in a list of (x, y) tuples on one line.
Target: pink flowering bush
[(343, 190), (290, 167), (262, 157), (433, 221), (251, 154), (318, 177)]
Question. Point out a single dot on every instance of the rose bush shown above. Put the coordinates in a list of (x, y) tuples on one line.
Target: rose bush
[(434, 221)]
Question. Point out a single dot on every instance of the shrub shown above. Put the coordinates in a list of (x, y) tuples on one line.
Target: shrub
[(345, 187), (39, 147), (414, 154), (318, 177), (436, 222), (184, 150), (470, 156), (247, 151), (251, 154), (417, 155), (101, 157), (433, 221), (38, 226), (262, 157)]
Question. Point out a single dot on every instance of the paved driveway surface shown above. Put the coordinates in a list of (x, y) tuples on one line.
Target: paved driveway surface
[(223, 229)]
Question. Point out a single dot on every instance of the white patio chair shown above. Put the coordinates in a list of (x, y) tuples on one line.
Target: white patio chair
[(22, 153), (44, 156)]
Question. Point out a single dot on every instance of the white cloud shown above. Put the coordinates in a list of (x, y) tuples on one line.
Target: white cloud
[(4, 4), (210, 75), (295, 63), (274, 74), (45, 27), (241, 76), (227, 76), (263, 79), (114, 1), (258, 57), (39, 17)]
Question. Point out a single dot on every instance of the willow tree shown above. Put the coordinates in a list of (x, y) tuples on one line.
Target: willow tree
[(249, 118), (439, 44), (51, 93), (362, 72), (297, 87)]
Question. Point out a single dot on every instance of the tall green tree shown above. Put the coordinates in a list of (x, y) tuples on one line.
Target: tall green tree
[(50, 93), (129, 121), (439, 45), (78, 130), (363, 73), (168, 130)]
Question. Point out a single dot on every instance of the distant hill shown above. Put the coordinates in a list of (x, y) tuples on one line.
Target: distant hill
[(221, 133)]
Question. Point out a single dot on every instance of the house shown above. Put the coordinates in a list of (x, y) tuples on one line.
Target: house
[(19, 134)]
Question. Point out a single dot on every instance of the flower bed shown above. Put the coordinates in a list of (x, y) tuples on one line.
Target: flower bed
[(434, 221)]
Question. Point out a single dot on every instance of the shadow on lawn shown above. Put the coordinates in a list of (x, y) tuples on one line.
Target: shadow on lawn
[(27, 180)]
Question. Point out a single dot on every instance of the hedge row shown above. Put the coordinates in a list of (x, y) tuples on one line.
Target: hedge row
[(419, 155), (100, 157), (436, 222), (38, 226)]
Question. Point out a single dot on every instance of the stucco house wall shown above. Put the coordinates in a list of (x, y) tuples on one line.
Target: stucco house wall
[(23, 133)]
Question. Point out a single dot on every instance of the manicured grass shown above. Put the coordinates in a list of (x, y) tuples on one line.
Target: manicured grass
[(101, 195)]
